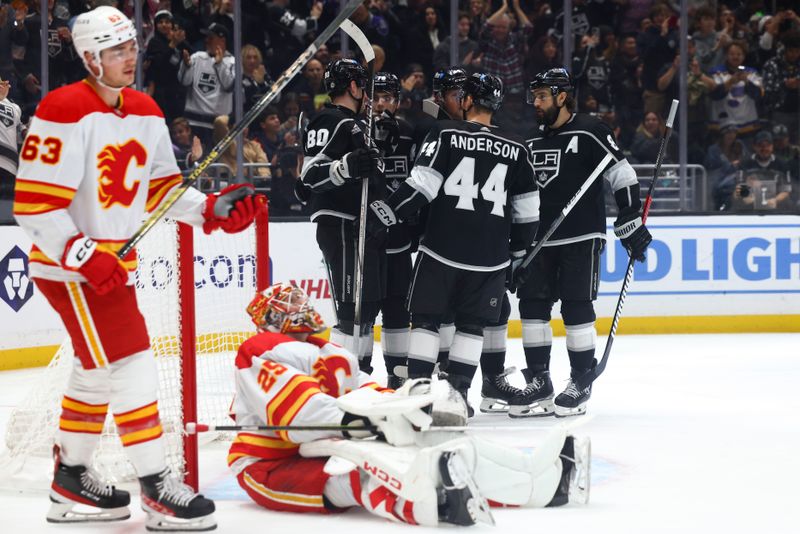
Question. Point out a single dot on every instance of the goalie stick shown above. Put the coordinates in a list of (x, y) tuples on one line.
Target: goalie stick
[(590, 376), (369, 56), (239, 127)]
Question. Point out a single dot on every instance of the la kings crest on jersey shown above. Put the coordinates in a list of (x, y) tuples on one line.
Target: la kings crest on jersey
[(207, 83), (563, 159)]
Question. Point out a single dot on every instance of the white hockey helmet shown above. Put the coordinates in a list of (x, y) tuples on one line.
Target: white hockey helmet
[(98, 29)]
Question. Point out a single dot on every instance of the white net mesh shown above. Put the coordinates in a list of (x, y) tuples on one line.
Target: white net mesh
[(225, 281)]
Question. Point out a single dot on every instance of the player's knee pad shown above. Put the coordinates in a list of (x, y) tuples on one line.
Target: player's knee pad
[(536, 309), (423, 341), (395, 314), (494, 338), (467, 344), (394, 341), (470, 325), (579, 320), (577, 311), (505, 312), (134, 381), (536, 333), (90, 386)]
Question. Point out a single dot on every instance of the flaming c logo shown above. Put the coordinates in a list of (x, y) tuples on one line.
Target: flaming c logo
[(331, 371), (113, 162)]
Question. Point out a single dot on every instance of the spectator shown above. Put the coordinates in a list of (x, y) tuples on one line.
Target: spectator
[(380, 57), (545, 54), (285, 173), (782, 81), (251, 151), (210, 76), (309, 88), (658, 46), (186, 146), (478, 14), (255, 80), (786, 151), (769, 30), (763, 158), (412, 91), (626, 69), (425, 38), (631, 13), (290, 111), (468, 53), (722, 162), (592, 72), (161, 68), (504, 50), (737, 91), (710, 43), (13, 37), (647, 140), (269, 134), (285, 32), (11, 134)]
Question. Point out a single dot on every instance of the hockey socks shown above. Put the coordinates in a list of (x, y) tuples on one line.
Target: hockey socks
[(537, 340)]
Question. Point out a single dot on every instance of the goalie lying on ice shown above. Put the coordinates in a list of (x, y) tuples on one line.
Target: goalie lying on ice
[(391, 460)]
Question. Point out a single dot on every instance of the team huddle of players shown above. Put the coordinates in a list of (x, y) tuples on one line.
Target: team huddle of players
[(97, 160), (470, 199)]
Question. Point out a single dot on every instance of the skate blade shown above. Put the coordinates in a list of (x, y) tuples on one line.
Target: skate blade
[(569, 412), (541, 409), (80, 513), (158, 522), (490, 405)]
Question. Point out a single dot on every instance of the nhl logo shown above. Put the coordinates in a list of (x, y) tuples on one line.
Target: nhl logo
[(546, 164)]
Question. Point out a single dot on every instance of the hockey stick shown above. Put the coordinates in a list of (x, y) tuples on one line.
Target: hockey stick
[(369, 56), (239, 127), (518, 278), (590, 376)]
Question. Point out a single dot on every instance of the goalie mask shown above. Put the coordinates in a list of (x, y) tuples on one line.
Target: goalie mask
[(285, 308)]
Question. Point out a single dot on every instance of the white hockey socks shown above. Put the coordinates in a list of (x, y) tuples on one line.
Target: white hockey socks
[(83, 414), (134, 388)]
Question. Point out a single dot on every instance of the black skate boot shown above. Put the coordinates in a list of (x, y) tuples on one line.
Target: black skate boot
[(576, 456), (172, 505), (76, 485), (572, 401), (536, 400), (496, 392), (461, 384), (460, 502)]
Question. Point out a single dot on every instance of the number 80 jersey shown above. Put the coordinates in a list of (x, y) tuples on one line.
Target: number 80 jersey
[(483, 194)]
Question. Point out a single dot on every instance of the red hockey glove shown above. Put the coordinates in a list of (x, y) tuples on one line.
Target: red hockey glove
[(232, 209), (98, 264)]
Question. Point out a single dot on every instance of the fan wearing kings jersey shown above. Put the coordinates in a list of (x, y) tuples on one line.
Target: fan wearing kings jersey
[(568, 149), (393, 136), (484, 209), (336, 160), (96, 161), (373, 450)]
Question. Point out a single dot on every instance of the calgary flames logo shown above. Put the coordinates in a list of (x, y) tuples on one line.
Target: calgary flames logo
[(113, 162), (331, 372)]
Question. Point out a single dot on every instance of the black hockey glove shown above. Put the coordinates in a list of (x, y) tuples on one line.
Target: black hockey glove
[(513, 267), (302, 192), (379, 218), (358, 164), (387, 133), (634, 235)]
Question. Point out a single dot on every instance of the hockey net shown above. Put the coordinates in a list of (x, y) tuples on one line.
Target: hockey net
[(192, 290)]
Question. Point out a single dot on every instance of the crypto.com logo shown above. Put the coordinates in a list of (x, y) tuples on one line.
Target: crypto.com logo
[(17, 288)]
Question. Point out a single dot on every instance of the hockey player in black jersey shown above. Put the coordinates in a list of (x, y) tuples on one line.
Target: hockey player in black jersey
[(567, 148), (393, 137), (484, 204), (336, 160)]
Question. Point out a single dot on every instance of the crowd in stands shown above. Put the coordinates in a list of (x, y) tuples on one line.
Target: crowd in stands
[(743, 72)]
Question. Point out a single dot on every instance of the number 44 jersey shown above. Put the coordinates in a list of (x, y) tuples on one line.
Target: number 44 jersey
[(484, 199)]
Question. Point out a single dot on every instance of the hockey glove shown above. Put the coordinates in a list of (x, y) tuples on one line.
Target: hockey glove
[(379, 218), (387, 133), (232, 209), (102, 268), (302, 192), (634, 235), (358, 164), (516, 260)]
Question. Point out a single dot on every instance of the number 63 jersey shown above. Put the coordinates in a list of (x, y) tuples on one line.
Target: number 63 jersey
[(484, 199)]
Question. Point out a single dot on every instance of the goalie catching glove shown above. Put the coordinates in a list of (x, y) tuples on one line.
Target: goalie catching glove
[(101, 267), (634, 235), (232, 209)]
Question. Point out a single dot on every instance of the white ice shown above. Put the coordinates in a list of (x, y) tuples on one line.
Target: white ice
[(690, 434)]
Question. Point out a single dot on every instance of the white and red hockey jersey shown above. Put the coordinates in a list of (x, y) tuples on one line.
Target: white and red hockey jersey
[(89, 168), (282, 381)]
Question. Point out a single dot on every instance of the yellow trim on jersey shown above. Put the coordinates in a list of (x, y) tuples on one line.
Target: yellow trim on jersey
[(271, 443), (30, 186), (285, 391), (80, 426), (77, 406), (141, 413), (87, 325), (296, 499)]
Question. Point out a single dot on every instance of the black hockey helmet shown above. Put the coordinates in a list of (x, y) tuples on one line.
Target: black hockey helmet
[(446, 79), (486, 90), (341, 72), (386, 82), (558, 80)]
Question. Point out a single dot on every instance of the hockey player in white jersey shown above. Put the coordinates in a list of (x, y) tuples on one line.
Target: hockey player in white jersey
[(382, 452), (96, 160)]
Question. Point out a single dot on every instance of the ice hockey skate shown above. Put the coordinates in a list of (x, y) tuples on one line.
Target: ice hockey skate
[(576, 456), (536, 400), (572, 401), (173, 506), (461, 384), (460, 500), (77, 495), (497, 392)]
